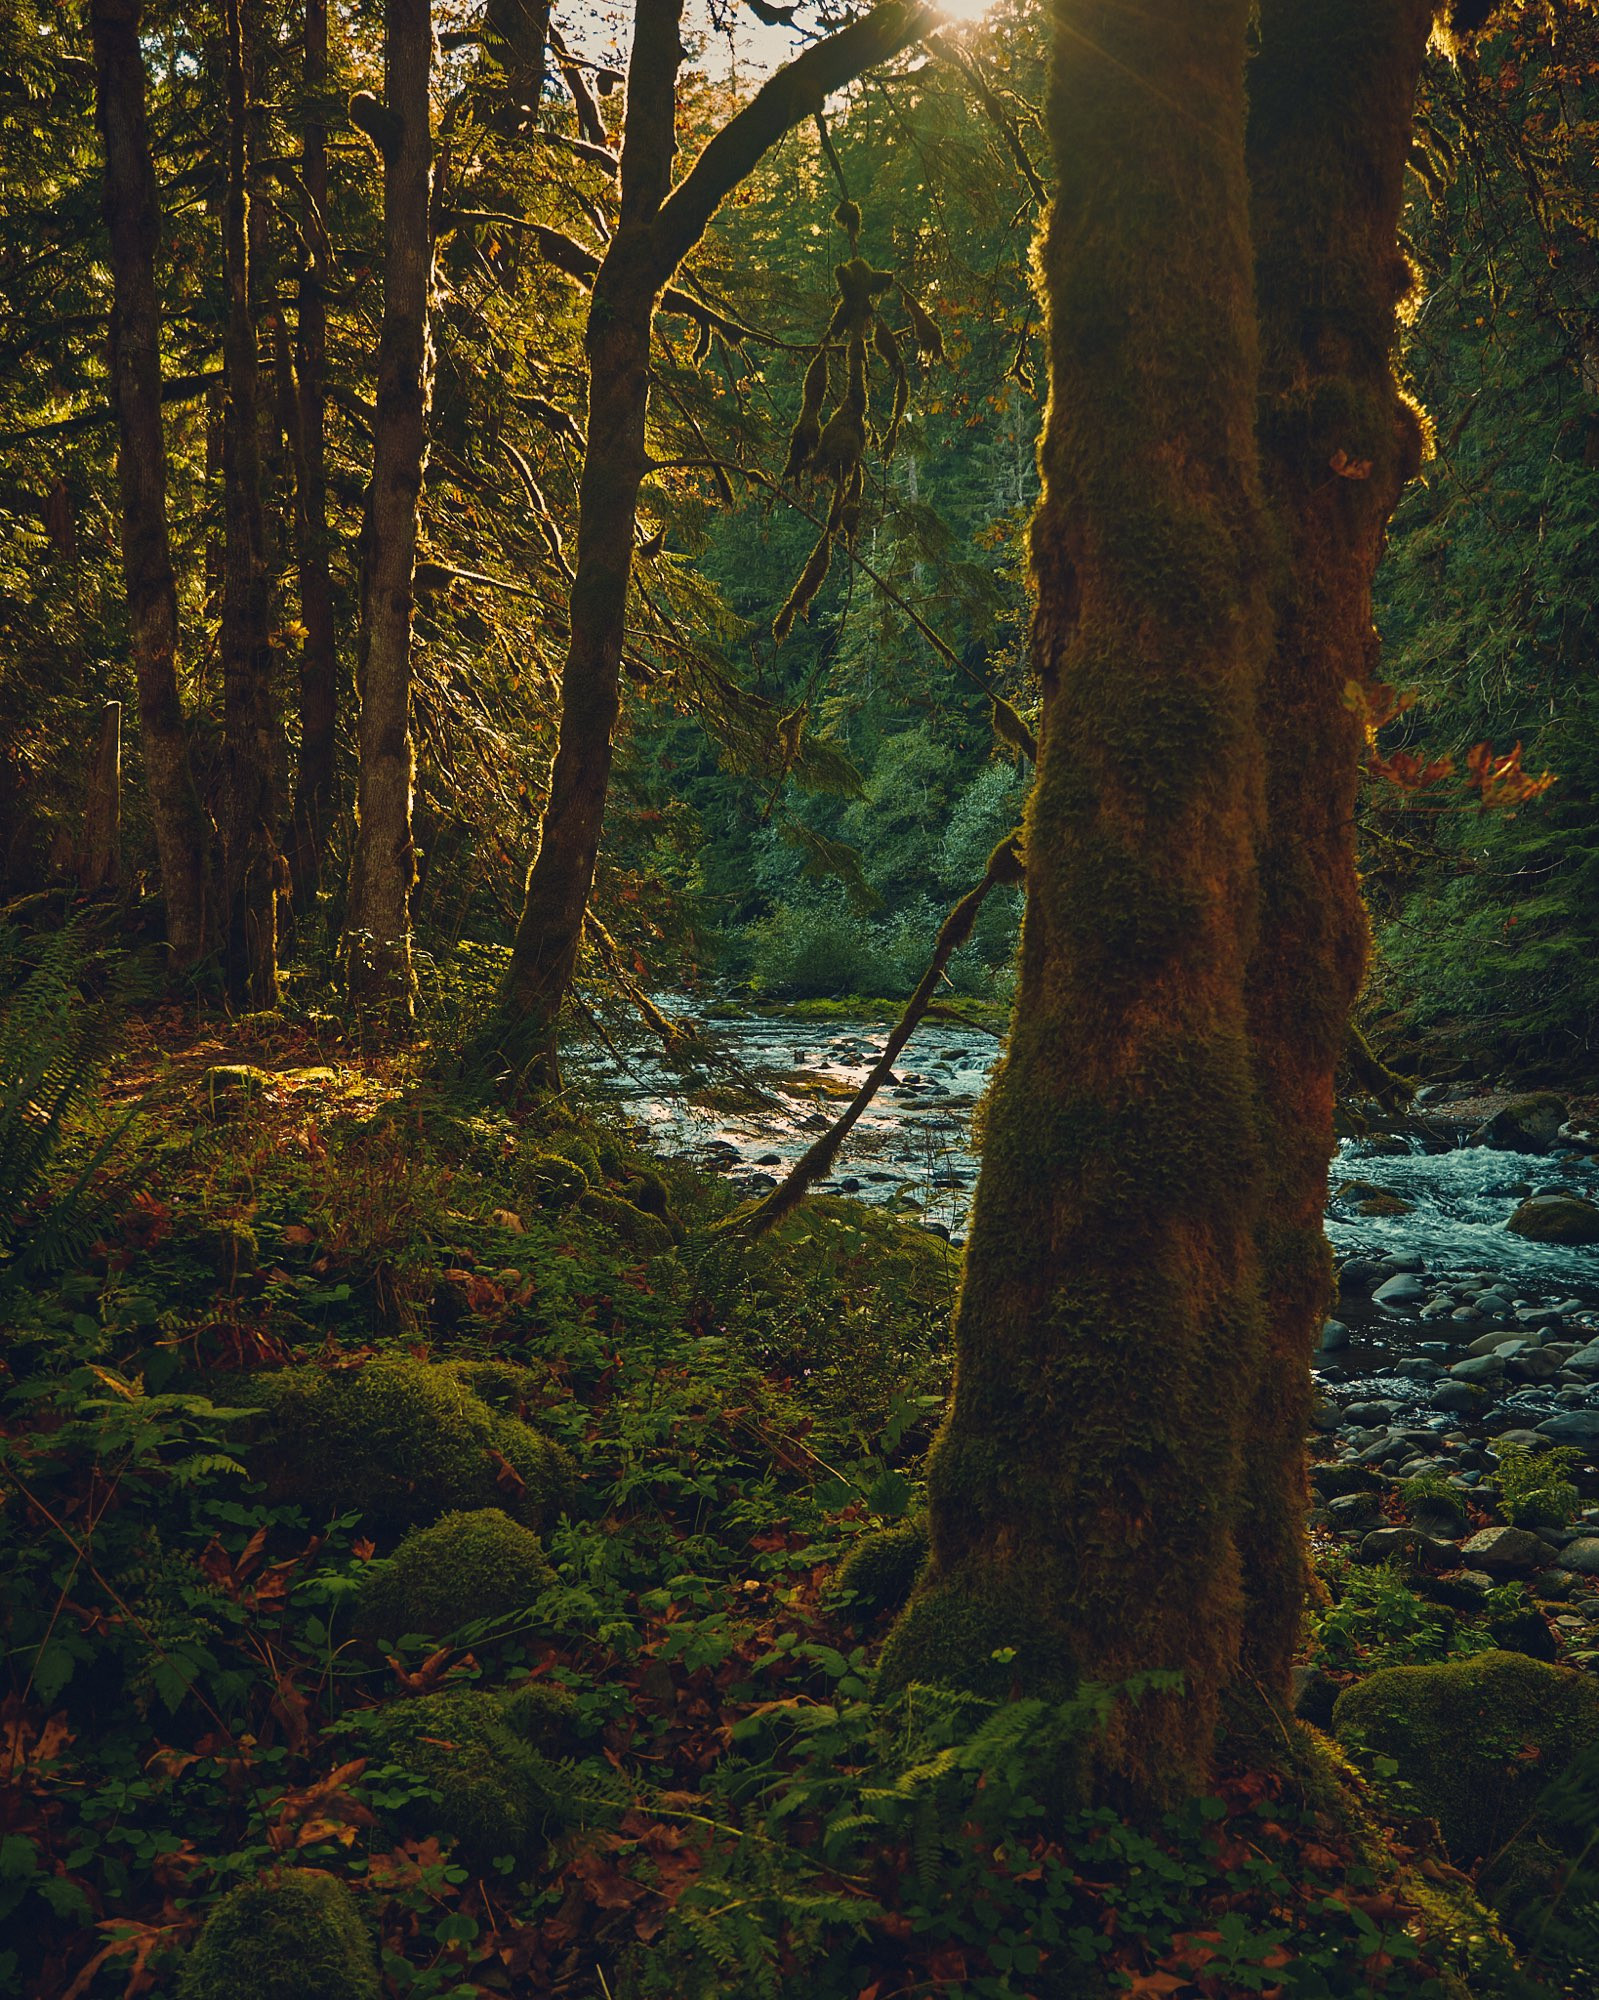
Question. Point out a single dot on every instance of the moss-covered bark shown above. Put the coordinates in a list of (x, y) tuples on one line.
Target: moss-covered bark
[(1084, 1491), (1331, 100)]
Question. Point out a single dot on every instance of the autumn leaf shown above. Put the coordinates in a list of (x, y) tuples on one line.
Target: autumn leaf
[(1350, 468)]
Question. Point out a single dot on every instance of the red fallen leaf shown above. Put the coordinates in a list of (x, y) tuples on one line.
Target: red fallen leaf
[(363, 1549), (1350, 468), (298, 1235), (293, 1711), (506, 1474)]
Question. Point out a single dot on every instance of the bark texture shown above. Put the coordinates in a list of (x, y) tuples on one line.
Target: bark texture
[(99, 858), (315, 784), (250, 732), (132, 216), (1332, 95), (657, 228), (1085, 1489), (378, 941)]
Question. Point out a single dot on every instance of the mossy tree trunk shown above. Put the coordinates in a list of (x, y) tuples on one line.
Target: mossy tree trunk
[(132, 212), (1084, 1491), (378, 925), (658, 226), (315, 781), (250, 732), (1332, 94)]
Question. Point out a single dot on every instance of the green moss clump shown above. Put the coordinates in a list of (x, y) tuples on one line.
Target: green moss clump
[(292, 1934), (1556, 1218), (543, 1716), (466, 1566), (1474, 1739), (503, 1385), (880, 1571), (403, 1441), (578, 1152), (646, 1233), (226, 1088), (496, 1794), (554, 1182)]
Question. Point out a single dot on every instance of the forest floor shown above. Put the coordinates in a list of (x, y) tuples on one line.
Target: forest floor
[(436, 1503)]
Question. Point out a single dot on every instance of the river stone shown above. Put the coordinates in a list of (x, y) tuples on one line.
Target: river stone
[(1408, 1544), (1483, 1368), (1534, 1366), (1402, 1293), (1505, 1551), (1581, 1555), (1334, 1334), (1357, 1276), (1490, 1343), (1358, 1510), (1572, 1427), (1556, 1218), (1585, 1360), (1525, 1125), (1462, 1398), (1330, 1479)]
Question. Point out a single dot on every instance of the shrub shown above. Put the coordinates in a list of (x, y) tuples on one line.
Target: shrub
[(465, 1567), (1535, 1488), (403, 1441), (812, 950), (293, 1934)]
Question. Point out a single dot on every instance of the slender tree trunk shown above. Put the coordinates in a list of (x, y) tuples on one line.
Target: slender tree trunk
[(249, 721), (658, 227), (132, 215), (378, 937), (315, 786), (1332, 95), (1084, 1491), (100, 847), (522, 28)]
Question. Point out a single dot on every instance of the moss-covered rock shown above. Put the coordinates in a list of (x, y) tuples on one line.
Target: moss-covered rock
[(504, 1385), (880, 1571), (580, 1152), (227, 1088), (630, 1225), (496, 1793), (291, 1934), (403, 1441), (1474, 1739), (1556, 1218), (543, 1716), (1525, 1124), (466, 1566), (554, 1182)]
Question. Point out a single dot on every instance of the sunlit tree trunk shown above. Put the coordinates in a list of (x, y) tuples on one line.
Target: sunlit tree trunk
[(315, 785), (1331, 101), (658, 227), (378, 925), (1084, 1491), (132, 215)]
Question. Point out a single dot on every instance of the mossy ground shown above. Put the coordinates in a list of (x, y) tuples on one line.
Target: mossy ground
[(669, 1760)]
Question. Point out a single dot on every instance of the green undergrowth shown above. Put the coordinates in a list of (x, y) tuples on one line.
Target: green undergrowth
[(613, 1732)]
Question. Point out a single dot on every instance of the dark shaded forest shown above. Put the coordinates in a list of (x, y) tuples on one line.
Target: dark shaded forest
[(799, 880)]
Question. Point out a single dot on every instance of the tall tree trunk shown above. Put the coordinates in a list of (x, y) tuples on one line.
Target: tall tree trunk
[(1084, 1490), (1332, 95), (658, 227), (315, 785), (249, 722), (100, 844), (378, 936), (132, 216), (522, 29)]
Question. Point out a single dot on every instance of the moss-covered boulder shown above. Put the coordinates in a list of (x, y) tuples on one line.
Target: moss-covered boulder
[(1526, 1124), (1556, 1218), (880, 1571), (466, 1566), (291, 1934), (1474, 1740), (647, 1234), (544, 1717), (554, 1182), (403, 1441), (579, 1151), (226, 1089), (495, 1794)]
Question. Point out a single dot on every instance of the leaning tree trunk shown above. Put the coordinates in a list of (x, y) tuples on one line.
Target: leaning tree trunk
[(658, 227), (315, 781), (250, 735), (133, 216), (1084, 1489), (1332, 94), (378, 925)]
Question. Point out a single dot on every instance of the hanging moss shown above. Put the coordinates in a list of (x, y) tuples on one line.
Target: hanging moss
[(402, 1441), (496, 1795), (465, 1567), (291, 1934)]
